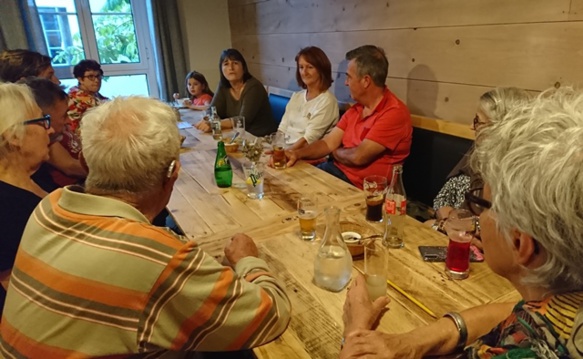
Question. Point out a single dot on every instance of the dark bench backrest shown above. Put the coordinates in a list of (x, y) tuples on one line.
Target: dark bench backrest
[(433, 156), (278, 104)]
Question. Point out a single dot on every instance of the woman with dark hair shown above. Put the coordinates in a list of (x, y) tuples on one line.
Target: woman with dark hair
[(197, 87), (240, 94), (86, 94), (312, 112), (19, 64)]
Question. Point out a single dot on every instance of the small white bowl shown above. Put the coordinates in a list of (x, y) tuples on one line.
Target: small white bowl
[(351, 237)]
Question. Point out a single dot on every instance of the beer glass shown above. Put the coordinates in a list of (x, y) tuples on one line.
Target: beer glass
[(374, 189), (278, 156), (307, 212)]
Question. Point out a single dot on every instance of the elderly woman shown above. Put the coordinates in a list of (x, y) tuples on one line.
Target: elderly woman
[(239, 93), (86, 94), (531, 214), (24, 145), (493, 106), (312, 112)]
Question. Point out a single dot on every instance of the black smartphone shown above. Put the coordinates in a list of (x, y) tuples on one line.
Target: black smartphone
[(439, 253)]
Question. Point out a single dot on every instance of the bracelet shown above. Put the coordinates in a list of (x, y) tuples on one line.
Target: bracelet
[(461, 328)]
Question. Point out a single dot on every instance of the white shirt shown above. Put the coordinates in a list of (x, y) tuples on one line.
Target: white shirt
[(309, 119)]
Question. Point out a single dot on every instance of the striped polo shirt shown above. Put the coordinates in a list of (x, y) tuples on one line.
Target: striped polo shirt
[(93, 278)]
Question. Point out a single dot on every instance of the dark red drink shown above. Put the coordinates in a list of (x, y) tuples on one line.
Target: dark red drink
[(457, 262), (374, 208)]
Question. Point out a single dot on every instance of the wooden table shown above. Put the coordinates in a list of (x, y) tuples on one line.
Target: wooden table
[(211, 215)]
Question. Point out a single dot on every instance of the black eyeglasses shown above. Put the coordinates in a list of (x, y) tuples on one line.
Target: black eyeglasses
[(476, 203), (44, 121), (93, 77), (478, 123)]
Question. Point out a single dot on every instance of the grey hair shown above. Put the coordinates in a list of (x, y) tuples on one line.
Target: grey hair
[(17, 105), (498, 102), (533, 163), (128, 144), (370, 60)]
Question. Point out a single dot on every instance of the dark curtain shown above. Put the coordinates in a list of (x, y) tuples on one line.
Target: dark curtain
[(20, 26), (171, 60)]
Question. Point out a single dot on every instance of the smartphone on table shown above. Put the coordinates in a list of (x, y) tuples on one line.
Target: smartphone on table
[(439, 253)]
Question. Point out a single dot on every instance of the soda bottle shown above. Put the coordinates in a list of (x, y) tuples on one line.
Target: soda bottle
[(215, 122), (333, 264), (223, 170), (395, 210)]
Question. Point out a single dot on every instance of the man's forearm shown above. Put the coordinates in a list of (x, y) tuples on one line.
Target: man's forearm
[(314, 151), (348, 156)]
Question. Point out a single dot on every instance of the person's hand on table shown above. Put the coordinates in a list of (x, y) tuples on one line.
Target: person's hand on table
[(359, 311), (371, 344), (240, 246), (203, 126), (292, 158), (443, 212)]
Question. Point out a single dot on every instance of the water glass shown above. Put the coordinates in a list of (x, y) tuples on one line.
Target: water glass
[(307, 212), (254, 179), (238, 123), (376, 266), (460, 227), (374, 189), (278, 148)]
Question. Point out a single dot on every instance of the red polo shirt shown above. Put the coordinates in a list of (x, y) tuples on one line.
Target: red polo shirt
[(388, 125)]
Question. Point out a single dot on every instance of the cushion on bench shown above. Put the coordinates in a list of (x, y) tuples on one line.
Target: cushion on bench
[(278, 104), (433, 155)]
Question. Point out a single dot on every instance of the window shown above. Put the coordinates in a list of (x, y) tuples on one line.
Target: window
[(112, 32)]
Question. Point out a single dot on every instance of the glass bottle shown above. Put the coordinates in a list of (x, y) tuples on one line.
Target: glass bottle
[(333, 264), (223, 170), (215, 122), (395, 210)]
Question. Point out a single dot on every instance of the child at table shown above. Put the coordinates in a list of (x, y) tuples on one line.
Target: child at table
[(200, 95)]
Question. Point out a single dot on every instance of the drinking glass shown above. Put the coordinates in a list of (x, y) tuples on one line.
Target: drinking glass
[(375, 268), (238, 123), (374, 189), (307, 212), (460, 227), (254, 179), (278, 155)]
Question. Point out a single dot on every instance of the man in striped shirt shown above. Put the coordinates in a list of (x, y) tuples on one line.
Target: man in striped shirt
[(93, 277)]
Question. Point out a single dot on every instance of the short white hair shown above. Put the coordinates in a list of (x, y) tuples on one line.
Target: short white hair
[(128, 144), (496, 103), (17, 105), (533, 163)]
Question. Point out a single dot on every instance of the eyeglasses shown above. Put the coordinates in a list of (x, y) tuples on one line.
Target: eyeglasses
[(44, 121), (476, 203), (93, 77), (478, 123)]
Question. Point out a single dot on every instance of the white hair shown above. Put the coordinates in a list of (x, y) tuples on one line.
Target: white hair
[(17, 105), (533, 163), (497, 102), (128, 144)]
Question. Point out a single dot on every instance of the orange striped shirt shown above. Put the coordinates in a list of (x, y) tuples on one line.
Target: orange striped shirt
[(93, 278)]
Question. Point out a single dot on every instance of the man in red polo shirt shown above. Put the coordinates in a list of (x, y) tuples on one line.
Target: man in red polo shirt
[(374, 134)]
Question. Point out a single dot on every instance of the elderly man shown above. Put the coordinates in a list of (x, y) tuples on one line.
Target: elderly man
[(374, 134), (531, 221), (94, 278), (18, 64), (63, 166)]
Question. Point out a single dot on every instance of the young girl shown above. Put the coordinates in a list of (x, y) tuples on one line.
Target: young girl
[(198, 89)]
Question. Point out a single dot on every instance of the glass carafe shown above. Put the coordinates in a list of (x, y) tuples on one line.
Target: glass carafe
[(333, 264)]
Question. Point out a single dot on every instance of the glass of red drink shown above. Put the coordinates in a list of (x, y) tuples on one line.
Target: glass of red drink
[(460, 227)]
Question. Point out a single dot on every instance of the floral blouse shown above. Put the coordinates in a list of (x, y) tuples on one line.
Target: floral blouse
[(79, 102)]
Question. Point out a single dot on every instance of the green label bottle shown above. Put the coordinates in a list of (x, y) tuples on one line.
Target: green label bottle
[(223, 170)]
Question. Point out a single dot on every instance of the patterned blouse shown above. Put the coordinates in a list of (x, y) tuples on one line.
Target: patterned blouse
[(79, 102), (535, 329), (452, 193)]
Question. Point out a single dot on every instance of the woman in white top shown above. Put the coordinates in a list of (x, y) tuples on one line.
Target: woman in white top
[(312, 112)]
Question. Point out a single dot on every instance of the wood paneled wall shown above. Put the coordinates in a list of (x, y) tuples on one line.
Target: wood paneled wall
[(443, 54)]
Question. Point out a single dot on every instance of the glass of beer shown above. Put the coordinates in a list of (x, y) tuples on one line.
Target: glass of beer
[(376, 266), (278, 156), (307, 212), (460, 227), (374, 189)]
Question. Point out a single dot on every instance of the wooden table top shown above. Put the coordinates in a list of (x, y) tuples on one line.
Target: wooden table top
[(211, 216)]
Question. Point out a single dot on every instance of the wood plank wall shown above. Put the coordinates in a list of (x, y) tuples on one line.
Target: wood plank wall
[(443, 54)]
